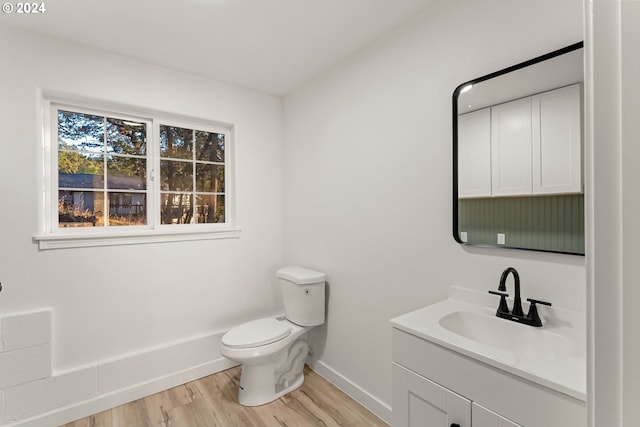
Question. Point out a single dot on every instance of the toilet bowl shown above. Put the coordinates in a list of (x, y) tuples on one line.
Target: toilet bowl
[(273, 351)]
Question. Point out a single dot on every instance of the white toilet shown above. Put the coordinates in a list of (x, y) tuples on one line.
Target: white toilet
[(273, 352)]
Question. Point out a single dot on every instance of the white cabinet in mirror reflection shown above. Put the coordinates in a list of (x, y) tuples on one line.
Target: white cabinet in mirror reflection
[(474, 154), (511, 148), (528, 146), (557, 141)]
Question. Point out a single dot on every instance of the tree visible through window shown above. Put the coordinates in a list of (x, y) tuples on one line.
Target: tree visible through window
[(102, 171), (191, 176)]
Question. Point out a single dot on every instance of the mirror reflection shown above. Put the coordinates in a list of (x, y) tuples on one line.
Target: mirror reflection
[(518, 156)]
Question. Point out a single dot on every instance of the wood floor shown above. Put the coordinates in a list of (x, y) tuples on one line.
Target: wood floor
[(212, 402)]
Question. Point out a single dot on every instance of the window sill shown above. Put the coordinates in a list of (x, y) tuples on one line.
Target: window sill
[(64, 241)]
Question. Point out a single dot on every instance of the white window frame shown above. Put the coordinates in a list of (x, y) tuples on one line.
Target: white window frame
[(51, 236)]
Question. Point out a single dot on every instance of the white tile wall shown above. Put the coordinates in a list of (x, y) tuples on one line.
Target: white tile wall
[(25, 361), (37, 397), (24, 365), (31, 394), (26, 330)]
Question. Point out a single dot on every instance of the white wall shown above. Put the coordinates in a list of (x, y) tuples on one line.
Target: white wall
[(368, 180), (604, 219), (630, 12), (112, 302), (614, 344)]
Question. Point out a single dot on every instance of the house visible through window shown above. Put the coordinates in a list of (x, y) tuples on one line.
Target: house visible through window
[(119, 172), (102, 171)]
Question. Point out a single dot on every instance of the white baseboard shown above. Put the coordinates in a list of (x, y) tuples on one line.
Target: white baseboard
[(110, 400), (106, 401), (81, 392), (357, 393)]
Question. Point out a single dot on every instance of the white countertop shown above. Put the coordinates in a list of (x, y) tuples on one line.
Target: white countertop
[(563, 370)]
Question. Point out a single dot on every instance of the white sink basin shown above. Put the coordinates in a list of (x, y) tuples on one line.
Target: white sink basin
[(507, 335), (553, 355)]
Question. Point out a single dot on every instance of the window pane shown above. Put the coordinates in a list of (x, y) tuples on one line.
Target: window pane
[(127, 209), (80, 208), (77, 131), (126, 173), (209, 178), (80, 170), (176, 143), (210, 208), (209, 146), (175, 208), (126, 137), (176, 176)]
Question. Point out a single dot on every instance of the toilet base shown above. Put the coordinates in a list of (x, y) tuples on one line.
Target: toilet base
[(257, 385)]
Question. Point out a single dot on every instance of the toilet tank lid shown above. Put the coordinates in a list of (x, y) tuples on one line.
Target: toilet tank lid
[(300, 276)]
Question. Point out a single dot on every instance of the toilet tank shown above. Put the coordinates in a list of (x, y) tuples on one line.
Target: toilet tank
[(302, 295)]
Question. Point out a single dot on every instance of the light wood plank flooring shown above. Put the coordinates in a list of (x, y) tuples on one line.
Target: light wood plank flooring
[(212, 402)]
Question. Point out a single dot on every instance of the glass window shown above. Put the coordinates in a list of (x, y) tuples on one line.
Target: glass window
[(128, 172), (192, 175), (102, 171)]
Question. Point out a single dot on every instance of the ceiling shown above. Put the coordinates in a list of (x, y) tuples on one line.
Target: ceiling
[(552, 73), (270, 46)]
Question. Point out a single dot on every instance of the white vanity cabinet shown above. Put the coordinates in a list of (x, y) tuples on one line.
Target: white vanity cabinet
[(435, 386), (418, 402), (528, 146), (482, 417)]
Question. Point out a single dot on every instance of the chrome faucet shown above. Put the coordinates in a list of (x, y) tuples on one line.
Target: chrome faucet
[(517, 315)]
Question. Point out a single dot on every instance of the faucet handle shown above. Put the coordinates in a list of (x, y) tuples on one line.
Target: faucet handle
[(502, 307), (499, 293), (537, 301), (533, 316)]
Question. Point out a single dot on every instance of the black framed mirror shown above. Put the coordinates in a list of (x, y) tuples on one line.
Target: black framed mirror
[(518, 156)]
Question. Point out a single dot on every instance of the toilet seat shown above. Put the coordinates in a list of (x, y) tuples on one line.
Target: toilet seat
[(256, 333)]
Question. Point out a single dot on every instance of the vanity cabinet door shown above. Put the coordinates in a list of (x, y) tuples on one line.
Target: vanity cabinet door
[(482, 417), (557, 141), (418, 402), (511, 148), (474, 154)]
